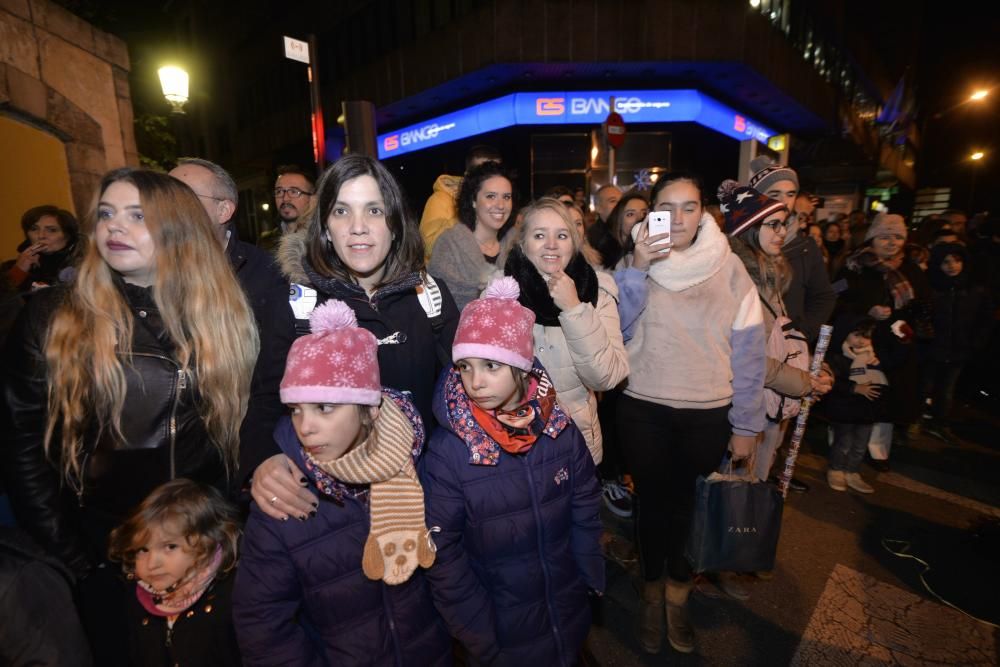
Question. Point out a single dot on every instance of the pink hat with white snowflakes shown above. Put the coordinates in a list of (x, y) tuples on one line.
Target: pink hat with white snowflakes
[(496, 327), (336, 363)]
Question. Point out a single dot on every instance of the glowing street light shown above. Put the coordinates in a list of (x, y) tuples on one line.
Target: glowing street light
[(977, 155), (978, 95), (174, 82)]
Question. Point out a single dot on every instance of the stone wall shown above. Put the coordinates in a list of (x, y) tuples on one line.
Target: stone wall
[(62, 75)]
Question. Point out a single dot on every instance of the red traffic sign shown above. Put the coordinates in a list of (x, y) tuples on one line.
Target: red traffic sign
[(614, 129)]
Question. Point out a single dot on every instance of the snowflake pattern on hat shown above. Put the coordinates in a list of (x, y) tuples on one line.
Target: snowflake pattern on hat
[(496, 327), (336, 363)]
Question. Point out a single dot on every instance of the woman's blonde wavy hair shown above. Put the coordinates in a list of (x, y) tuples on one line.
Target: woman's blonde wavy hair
[(203, 309)]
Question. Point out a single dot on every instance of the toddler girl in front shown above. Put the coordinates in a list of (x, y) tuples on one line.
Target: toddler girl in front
[(179, 546)]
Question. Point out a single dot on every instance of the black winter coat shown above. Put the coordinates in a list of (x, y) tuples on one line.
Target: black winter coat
[(412, 348), (267, 291), (962, 310), (40, 625), (810, 299), (866, 287), (163, 436), (843, 405), (203, 636)]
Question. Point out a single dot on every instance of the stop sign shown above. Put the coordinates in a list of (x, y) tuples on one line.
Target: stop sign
[(614, 129)]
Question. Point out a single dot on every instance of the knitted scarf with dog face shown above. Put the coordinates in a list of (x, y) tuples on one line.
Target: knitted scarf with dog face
[(399, 540)]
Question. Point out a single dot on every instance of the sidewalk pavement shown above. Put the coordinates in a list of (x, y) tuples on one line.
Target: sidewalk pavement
[(839, 596)]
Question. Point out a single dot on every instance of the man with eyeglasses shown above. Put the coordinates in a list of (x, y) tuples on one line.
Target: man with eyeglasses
[(809, 298), (294, 197), (267, 292)]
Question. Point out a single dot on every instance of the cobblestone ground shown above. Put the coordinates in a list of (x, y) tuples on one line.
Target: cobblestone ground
[(839, 596)]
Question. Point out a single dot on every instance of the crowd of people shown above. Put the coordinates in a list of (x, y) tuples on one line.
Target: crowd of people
[(369, 439)]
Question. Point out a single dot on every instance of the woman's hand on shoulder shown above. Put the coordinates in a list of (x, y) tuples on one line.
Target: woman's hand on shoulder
[(563, 291), (279, 489), (649, 249)]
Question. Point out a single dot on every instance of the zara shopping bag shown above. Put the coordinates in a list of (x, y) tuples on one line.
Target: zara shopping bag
[(736, 524)]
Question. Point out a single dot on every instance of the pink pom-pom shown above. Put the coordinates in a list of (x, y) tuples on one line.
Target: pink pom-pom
[(331, 316), (727, 188), (503, 288)]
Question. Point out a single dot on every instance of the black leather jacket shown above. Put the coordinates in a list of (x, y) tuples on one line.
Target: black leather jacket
[(163, 436)]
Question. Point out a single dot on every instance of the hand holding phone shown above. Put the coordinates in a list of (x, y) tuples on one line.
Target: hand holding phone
[(659, 223)]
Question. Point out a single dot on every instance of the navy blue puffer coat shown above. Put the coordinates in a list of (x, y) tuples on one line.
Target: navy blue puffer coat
[(302, 599), (519, 546)]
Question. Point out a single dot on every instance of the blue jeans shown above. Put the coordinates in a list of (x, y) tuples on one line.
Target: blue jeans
[(850, 442)]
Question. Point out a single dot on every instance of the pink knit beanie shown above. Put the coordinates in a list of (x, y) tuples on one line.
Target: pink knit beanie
[(496, 327), (336, 363)]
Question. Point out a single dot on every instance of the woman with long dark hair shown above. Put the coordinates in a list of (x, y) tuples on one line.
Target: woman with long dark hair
[(362, 246), (467, 254), (695, 339), (630, 211)]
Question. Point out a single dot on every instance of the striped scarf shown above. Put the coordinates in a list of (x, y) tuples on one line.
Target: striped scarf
[(895, 280), (398, 540)]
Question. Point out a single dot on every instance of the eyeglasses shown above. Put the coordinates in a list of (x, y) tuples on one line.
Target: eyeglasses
[(775, 225), (293, 193), (198, 194)]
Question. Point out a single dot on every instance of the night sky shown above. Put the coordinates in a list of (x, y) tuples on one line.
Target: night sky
[(950, 48), (959, 52)]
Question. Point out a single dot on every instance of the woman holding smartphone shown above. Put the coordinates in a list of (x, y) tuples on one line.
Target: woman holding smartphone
[(694, 334)]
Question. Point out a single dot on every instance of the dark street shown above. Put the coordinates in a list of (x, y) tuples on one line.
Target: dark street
[(838, 595)]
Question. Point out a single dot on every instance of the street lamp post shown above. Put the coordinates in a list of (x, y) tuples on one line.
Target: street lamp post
[(976, 97), (174, 83), (975, 158)]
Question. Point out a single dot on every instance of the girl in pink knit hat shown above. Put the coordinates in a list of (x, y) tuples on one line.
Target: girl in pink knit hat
[(353, 574), (510, 482)]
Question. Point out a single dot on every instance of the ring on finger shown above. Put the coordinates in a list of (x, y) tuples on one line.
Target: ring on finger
[(273, 500)]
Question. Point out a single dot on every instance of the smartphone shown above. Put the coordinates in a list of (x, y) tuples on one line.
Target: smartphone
[(659, 223)]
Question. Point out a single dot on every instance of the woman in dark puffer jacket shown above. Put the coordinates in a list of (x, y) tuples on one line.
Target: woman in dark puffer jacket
[(362, 247)]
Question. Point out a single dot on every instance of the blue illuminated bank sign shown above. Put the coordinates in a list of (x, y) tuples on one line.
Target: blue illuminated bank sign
[(584, 108)]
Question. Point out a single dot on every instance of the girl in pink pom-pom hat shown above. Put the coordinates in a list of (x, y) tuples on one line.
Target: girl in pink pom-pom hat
[(353, 575), (510, 482)]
